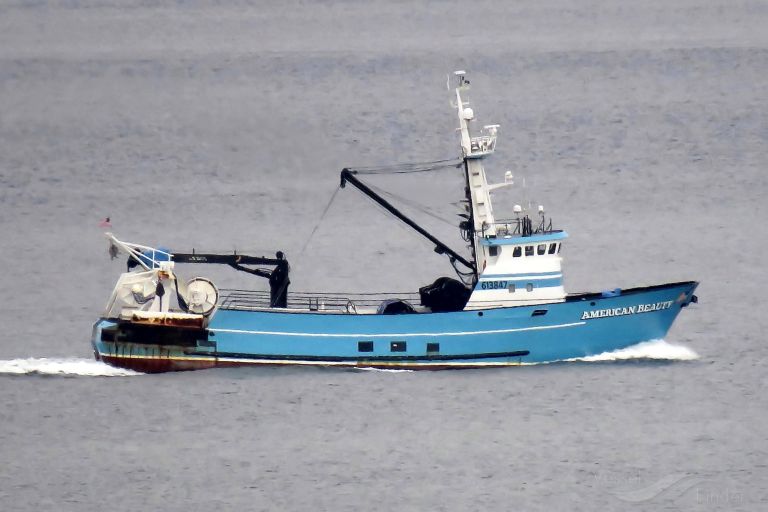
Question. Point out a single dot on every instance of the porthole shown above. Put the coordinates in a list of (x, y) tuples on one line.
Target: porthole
[(529, 287), (397, 346), (511, 288), (365, 346)]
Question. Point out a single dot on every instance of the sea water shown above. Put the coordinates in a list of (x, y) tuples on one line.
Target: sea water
[(640, 126)]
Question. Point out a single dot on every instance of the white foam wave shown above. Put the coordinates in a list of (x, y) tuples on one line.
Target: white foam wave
[(654, 349), (62, 367)]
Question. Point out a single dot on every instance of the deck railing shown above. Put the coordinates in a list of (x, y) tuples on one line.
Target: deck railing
[(349, 303), (484, 143), (514, 227)]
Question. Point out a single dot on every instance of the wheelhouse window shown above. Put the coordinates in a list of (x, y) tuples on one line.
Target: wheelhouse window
[(559, 246), (541, 249), (552, 248), (517, 252), (493, 250), (529, 250)]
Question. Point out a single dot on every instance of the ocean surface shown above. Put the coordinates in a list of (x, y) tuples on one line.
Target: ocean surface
[(642, 127)]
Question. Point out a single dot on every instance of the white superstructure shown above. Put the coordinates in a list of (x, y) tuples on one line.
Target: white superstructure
[(518, 263)]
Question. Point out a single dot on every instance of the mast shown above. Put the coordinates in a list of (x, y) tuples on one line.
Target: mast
[(478, 191)]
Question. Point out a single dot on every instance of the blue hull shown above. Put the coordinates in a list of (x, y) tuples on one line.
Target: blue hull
[(583, 325)]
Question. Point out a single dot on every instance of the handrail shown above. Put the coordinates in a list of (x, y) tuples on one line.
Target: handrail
[(311, 301), (514, 227)]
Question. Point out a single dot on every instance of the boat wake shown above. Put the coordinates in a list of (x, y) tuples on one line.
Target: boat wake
[(657, 350), (66, 367)]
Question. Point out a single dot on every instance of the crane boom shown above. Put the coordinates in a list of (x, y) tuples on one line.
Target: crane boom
[(348, 176)]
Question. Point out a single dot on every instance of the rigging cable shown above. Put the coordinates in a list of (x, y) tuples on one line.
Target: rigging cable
[(467, 278), (405, 168), (412, 204), (408, 168), (317, 225)]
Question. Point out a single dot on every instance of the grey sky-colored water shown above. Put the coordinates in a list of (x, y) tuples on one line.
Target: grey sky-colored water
[(641, 126)]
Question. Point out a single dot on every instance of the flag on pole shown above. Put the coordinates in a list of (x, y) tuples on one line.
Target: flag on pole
[(105, 223)]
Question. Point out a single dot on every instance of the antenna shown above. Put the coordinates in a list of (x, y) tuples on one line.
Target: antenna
[(526, 196), (463, 82)]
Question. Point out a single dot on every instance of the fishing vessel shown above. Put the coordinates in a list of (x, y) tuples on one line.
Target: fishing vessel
[(506, 306)]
